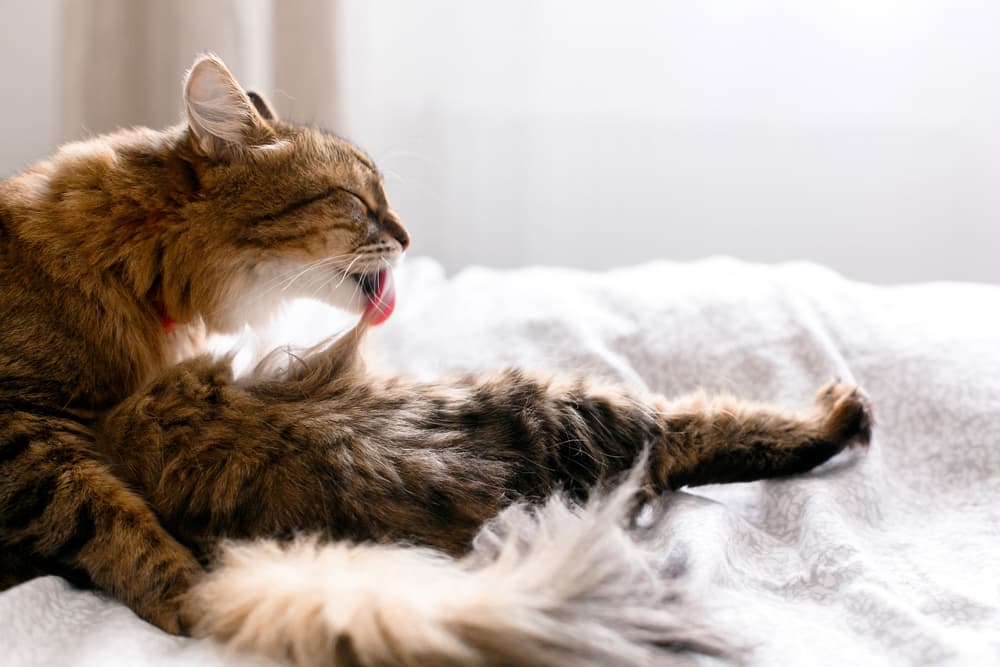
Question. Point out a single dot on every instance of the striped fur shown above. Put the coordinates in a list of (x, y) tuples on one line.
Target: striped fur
[(351, 456), (363, 463)]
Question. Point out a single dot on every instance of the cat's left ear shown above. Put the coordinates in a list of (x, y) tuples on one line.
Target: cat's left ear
[(262, 106), (222, 119)]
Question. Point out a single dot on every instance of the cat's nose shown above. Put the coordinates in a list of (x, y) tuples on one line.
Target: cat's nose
[(395, 229)]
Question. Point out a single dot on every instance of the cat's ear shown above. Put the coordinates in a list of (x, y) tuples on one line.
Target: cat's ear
[(262, 106), (222, 119)]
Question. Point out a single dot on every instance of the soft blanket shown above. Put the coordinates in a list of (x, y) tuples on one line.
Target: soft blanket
[(884, 557)]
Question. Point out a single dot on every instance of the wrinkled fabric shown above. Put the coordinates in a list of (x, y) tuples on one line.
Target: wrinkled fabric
[(889, 556)]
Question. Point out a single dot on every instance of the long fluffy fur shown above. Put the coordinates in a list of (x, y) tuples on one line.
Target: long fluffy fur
[(548, 585)]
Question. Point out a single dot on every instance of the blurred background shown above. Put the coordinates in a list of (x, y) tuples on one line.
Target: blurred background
[(862, 134)]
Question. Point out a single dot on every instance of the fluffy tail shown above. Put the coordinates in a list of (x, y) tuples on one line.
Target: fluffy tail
[(559, 584)]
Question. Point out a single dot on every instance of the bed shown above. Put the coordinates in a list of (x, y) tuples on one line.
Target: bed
[(884, 557)]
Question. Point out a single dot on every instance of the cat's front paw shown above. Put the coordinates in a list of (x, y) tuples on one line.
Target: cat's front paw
[(168, 615), (167, 607), (845, 414)]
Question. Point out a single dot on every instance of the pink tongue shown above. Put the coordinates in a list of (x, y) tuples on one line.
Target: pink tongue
[(383, 302)]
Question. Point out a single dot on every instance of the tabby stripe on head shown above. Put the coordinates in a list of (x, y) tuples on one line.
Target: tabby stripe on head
[(363, 159), (287, 238), (295, 206)]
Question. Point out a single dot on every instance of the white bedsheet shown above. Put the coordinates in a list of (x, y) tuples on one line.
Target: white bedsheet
[(890, 557)]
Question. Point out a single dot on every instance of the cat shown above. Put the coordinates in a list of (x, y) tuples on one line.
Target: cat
[(126, 456)]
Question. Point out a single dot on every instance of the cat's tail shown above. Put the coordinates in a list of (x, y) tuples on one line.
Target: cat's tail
[(553, 585)]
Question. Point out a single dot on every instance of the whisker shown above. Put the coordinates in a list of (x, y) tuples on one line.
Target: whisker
[(347, 271), (274, 280), (309, 267), (313, 278)]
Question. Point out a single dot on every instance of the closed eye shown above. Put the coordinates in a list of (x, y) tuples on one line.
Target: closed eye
[(295, 206), (367, 207), (308, 201)]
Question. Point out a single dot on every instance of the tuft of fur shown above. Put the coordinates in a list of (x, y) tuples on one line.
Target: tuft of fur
[(553, 584)]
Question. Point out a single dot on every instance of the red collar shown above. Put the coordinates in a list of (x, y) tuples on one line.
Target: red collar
[(167, 323)]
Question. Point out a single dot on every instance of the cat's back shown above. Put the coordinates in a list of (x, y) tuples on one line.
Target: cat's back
[(32, 344), (22, 302), (42, 351)]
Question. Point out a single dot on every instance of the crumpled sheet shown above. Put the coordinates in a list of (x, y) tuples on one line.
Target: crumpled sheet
[(884, 557)]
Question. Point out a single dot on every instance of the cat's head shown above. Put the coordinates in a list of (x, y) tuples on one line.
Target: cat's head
[(280, 211)]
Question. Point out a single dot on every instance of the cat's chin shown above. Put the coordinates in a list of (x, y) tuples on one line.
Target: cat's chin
[(372, 295)]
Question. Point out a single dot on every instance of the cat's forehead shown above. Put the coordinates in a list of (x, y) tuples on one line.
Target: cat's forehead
[(367, 177), (343, 149), (361, 157), (337, 162)]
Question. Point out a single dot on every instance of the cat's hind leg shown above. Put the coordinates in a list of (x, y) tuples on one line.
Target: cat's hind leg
[(722, 439)]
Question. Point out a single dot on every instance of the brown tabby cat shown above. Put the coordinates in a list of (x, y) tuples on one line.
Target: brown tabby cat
[(125, 458)]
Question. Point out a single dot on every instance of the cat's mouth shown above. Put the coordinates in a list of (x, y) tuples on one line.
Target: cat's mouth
[(379, 290)]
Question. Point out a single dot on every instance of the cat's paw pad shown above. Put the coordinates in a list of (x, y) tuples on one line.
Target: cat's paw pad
[(845, 413)]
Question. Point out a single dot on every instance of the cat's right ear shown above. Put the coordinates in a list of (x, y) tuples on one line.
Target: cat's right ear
[(222, 119)]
